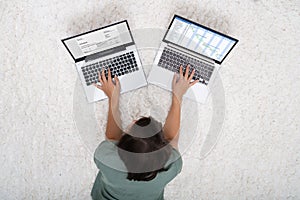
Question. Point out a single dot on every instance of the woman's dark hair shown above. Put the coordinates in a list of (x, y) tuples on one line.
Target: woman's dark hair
[(144, 156)]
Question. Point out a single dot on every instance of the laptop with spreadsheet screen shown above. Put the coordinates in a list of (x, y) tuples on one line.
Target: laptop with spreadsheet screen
[(187, 42), (110, 47)]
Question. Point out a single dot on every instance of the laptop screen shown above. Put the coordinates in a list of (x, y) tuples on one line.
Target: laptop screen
[(82, 45), (199, 39)]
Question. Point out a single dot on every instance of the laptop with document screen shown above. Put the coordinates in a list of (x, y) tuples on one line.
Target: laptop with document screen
[(110, 47)]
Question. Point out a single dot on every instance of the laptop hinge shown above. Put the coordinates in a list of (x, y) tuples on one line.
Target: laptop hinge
[(191, 53), (105, 53)]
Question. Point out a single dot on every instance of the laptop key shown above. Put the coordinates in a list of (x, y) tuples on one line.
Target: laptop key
[(119, 65)]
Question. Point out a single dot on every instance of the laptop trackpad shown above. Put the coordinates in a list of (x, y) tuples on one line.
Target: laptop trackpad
[(162, 77)]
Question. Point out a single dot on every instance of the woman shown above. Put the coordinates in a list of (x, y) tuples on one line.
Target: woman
[(139, 162)]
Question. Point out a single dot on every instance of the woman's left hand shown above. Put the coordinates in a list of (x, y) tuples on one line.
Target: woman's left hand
[(110, 88)]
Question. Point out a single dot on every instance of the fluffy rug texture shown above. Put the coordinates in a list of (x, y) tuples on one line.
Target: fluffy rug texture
[(242, 144)]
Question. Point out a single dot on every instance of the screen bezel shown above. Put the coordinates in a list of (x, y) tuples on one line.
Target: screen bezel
[(84, 57), (202, 26)]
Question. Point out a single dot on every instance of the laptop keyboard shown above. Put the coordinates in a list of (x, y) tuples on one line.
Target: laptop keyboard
[(172, 60), (119, 65)]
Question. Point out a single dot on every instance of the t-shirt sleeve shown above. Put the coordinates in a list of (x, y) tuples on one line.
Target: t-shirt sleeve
[(173, 167), (104, 153), (176, 161)]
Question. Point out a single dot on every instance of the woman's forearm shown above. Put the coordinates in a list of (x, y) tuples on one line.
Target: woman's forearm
[(113, 127), (172, 124)]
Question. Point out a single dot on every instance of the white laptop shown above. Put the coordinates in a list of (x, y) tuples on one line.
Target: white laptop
[(187, 42), (110, 47)]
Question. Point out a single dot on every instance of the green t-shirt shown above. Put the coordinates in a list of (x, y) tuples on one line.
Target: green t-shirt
[(112, 183)]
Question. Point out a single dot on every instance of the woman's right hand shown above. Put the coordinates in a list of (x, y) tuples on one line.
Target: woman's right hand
[(110, 88), (182, 83)]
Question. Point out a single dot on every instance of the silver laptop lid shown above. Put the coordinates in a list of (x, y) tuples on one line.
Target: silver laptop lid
[(199, 39), (99, 40)]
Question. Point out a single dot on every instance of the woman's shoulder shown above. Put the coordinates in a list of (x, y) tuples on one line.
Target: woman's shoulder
[(175, 160), (172, 168), (106, 156), (105, 148)]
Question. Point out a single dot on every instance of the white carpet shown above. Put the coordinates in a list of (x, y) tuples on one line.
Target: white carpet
[(46, 153)]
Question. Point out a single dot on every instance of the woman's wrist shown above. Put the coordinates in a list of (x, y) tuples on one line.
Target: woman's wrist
[(114, 101), (176, 98)]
